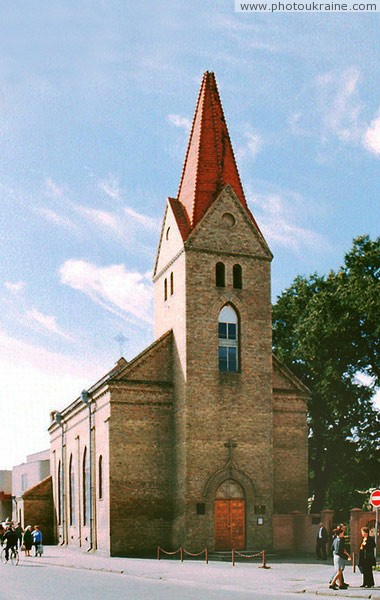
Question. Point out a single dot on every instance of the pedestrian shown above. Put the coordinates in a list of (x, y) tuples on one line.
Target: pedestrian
[(28, 539), (10, 540), (341, 526), (340, 555), (37, 540), (367, 558), (322, 537), (19, 531)]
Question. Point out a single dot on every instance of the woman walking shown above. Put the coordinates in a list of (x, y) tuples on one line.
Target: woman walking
[(367, 558), (28, 540)]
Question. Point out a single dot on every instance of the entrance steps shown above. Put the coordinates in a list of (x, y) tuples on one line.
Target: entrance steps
[(226, 555)]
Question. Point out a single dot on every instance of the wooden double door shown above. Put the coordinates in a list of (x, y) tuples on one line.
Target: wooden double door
[(229, 517)]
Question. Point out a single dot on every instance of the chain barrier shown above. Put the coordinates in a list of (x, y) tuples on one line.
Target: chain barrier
[(262, 554), (181, 551)]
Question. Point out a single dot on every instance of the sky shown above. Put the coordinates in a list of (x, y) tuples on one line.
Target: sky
[(96, 102)]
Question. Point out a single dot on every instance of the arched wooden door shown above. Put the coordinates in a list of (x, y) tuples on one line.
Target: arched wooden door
[(229, 516)]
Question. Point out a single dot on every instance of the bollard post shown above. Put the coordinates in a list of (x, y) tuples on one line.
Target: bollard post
[(206, 556), (233, 558), (181, 553), (158, 552)]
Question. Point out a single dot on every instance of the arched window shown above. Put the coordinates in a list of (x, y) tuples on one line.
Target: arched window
[(220, 275), (237, 277), (59, 491), (100, 476), (71, 491), (86, 487), (228, 337), (171, 284), (165, 289)]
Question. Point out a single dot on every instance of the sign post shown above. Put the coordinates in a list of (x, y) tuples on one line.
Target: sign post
[(375, 501)]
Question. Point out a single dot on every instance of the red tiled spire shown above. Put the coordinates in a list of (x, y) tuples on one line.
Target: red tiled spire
[(209, 163)]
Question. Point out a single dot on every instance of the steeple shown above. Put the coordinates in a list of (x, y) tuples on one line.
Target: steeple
[(209, 163)]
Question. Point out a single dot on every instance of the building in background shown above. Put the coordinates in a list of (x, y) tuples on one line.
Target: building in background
[(5, 495), (201, 440), (25, 476)]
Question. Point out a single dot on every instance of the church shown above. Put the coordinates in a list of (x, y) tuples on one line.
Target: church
[(201, 439)]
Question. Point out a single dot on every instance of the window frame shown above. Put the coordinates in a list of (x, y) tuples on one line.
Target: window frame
[(229, 342)]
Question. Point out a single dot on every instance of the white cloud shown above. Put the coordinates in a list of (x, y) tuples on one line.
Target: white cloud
[(143, 220), (178, 121), (278, 215), (251, 146), (52, 189), (123, 221), (47, 322), (53, 217), (126, 294), (36, 381), (331, 106), (101, 218), (342, 106), (371, 137), (111, 187), (15, 287)]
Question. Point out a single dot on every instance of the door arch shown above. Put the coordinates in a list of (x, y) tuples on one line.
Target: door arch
[(229, 516)]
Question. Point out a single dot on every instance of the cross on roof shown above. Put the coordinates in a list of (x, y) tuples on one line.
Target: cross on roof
[(230, 445), (121, 339)]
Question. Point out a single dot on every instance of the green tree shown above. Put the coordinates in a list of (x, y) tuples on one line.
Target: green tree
[(327, 330)]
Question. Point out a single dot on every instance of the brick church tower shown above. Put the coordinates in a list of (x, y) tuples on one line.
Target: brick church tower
[(201, 439), (212, 288)]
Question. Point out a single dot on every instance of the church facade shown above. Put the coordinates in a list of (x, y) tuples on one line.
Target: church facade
[(202, 438)]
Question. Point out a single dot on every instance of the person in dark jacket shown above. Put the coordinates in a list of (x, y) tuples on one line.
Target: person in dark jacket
[(10, 539), (367, 558), (322, 537), (28, 540), (19, 531)]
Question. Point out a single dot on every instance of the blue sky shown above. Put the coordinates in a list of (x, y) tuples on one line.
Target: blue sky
[(96, 100)]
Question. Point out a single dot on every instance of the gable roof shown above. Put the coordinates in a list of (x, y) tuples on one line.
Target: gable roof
[(209, 162), (291, 378)]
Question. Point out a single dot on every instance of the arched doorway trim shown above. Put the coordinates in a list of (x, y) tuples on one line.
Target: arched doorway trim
[(230, 471)]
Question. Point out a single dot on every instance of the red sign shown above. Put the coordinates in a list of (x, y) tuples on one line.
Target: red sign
[(375, 498)]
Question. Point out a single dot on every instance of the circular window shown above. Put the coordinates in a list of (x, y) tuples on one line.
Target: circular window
[(228, 220)]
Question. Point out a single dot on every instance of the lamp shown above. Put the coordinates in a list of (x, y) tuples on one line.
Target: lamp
[(59, 420), (85, 397)]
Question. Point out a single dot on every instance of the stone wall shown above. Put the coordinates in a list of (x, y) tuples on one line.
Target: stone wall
[(297, 532)]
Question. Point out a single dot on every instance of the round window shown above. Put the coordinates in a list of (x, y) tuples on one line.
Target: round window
[(228, 220)]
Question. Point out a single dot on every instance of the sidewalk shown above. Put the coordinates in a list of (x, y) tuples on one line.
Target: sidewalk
[(285, 575)]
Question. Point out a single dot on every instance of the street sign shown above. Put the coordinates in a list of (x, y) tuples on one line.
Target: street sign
[(375, 498)]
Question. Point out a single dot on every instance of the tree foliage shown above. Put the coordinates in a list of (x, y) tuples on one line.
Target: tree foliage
[(327, 330)]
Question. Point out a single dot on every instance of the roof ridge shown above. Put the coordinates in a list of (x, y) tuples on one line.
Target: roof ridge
[(218, 142), (190, 137), (202, 108)]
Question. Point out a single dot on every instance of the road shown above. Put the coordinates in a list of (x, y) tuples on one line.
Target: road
[(45, 582)]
